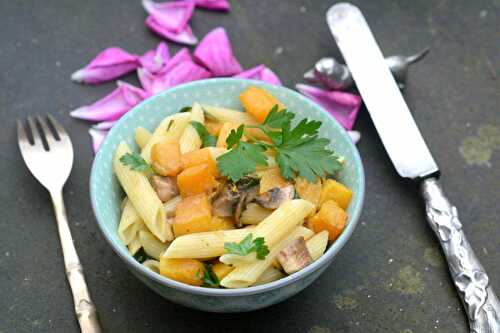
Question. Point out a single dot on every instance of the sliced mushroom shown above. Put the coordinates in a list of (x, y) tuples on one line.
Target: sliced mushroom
[(295, 256), (165, 187), (224, 204), (275, 197)]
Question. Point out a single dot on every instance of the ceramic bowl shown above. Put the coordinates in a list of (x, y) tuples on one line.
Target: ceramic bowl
[(106, 194)]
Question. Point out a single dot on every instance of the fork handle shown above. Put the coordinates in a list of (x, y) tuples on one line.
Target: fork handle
[(84, 307), (472, 283)]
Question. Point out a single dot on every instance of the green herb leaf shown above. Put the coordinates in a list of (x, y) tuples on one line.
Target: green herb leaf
[(247, 246), (136, 163), (185, 109), (207, 139), (241, 160), (276, 118), (210, 279)]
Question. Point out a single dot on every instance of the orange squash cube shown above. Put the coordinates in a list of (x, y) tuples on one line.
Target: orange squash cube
[(258, 102), (195, 180), (271, 178), (213, 127), (197, 157), (309, 191), (189, 271), (166, 158), (333, 190), (193, 214), (331, 217), (221, 223), (221, 270)]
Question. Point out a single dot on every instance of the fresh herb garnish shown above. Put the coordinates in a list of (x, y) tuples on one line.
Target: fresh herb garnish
[(299, 150), (207, 139), (185, 109), (141, 256), (247, 246), (243, 158), (136, 163), (210, 279)]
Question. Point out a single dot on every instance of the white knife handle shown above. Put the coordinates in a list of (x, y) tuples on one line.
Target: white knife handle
[(470, 278)]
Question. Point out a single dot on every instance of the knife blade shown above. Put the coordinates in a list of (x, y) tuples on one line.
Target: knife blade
[(412, 159)]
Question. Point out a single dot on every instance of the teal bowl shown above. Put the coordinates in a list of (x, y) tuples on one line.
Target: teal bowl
[(106, 194)]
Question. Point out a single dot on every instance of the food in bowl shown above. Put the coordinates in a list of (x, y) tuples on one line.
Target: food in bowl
[(221, 198)]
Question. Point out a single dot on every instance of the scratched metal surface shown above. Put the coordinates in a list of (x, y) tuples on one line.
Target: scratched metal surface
[(389, 278)]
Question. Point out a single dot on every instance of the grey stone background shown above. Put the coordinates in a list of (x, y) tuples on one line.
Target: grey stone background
[(389, 278)]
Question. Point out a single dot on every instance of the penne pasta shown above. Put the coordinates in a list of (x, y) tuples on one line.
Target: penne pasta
[(190, 140), (237, 260), (153, 265), (270, 274), (170, 205), (134, 245), (246, 275), (170, 129), (254, 214), (317, 244), (217, 151), (204, 244), (151, 245), (142, 136), (130, 223), (142, 196)]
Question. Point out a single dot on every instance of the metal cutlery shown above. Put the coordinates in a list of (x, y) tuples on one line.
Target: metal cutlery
[(412, 159), (49, 157)]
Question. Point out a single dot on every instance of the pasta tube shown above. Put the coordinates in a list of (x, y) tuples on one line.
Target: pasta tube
[(151, 245), (270, 274), (190, 140), (254, 214), (153, 265), (142, 196), (134, 245), (317, 244), (170, 205), (142, 136), (129, 221)]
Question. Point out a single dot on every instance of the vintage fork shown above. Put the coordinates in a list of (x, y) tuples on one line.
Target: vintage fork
[(51, 165)]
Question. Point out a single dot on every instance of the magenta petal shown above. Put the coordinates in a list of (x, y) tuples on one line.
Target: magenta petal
[(152, 83), (155, 60), (213, 4), (180, 56), (98, 137), (105, 125), (112, 106), (261, 73), (107, 65), (344, 107), (185, 36), (172, 16), (215, 53), (185, 71)]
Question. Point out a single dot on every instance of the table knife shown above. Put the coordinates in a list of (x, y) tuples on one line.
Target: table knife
[(412, 159)]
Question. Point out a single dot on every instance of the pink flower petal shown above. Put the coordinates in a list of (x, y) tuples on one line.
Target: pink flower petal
[(215, 53), (152, 83), (97, 137), (213, 4), (112, 106), (155, 60), (105, 125), (261, 73), (172, 16), (107, 65), (344, 107), (185, 36), (180, 56), (185, 71)]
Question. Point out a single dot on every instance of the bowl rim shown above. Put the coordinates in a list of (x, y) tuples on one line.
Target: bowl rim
[(322, 262)]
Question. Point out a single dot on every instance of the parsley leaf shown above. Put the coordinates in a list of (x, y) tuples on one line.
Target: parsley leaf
[(207, 139), (136, 162), (247, 246), (185, 109), (277, 118), (210, 279)]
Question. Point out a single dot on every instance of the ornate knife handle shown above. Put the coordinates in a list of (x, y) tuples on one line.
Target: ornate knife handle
[(470, 278)]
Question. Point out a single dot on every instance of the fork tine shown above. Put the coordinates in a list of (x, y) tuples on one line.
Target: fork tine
[(37, 139), (46, 131), (59, 129), (22, 138)]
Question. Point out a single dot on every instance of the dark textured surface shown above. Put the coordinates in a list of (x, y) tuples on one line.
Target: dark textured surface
[(389, 278)]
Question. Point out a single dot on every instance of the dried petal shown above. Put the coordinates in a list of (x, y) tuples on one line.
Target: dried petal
[(213, 4), (152, 83), (344, 107), (185, 36), (155, 60), (185, 71), (105, 125), (173, 16), (215, 53), (107, 65), (261, 73), (97, 137), (113, 105), (180, 56)]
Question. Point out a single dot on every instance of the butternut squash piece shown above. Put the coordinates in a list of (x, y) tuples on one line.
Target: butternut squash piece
[(331, 217), (166, 158), (193, 214), (258, 102), (333, 190), (309, 191), (200, 156), (195, 180), (189, 271), (213, 127), (221, 270), (224, 133), (271, 178), (221, 223)]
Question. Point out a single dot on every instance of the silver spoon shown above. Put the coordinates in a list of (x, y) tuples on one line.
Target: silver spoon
[(334, 75)]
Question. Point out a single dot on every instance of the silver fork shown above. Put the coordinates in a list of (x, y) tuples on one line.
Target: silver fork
[(52, 167)]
